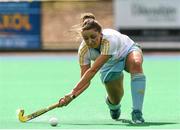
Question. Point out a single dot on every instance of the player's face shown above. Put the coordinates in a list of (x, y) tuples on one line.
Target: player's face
[(92, 38)]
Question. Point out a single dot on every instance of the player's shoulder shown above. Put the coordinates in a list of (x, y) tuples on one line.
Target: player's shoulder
[(83, 47), (111, 35), (110, 32)]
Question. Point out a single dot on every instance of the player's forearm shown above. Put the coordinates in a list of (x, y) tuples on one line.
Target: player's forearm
[(84, 82), (78, 92), (69, 97), (86, 78)]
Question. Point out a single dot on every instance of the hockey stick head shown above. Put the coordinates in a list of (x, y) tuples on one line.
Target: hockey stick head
[(21, 116), (26, 118)]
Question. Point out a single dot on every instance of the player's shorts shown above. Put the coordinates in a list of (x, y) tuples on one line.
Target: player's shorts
[(116, 70)]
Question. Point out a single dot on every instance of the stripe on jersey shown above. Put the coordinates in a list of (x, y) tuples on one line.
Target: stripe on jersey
[(105, 47), (82, 54)]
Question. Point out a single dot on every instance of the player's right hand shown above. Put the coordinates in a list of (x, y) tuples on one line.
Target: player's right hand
[(61, 102), (65, 100)]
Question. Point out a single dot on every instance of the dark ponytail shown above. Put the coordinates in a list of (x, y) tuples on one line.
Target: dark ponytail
[(89, 22), (85, 16)]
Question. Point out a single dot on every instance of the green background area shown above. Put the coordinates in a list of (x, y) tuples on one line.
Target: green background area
[(36, 82)]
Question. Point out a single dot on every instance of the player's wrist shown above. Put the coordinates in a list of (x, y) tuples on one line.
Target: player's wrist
[(73, 96)]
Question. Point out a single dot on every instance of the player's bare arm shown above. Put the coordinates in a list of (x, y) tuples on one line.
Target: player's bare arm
[(85, 79), (84, 68)]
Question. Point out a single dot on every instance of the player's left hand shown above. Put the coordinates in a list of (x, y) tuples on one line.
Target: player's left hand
[(65, 100)]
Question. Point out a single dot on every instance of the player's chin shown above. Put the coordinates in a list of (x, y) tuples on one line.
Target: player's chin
[(94, 46)]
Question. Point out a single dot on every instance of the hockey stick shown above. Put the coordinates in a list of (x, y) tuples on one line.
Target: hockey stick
[(26, 118)]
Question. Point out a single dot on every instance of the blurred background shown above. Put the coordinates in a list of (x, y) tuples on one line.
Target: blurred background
[(45, 25), (39, 62)]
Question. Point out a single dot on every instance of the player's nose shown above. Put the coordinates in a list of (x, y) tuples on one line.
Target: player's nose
[(90, 41)]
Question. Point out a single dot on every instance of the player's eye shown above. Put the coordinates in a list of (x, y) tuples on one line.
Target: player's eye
[(85, 38)]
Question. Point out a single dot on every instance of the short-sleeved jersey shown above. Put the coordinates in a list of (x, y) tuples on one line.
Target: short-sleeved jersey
[(113, 43)]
